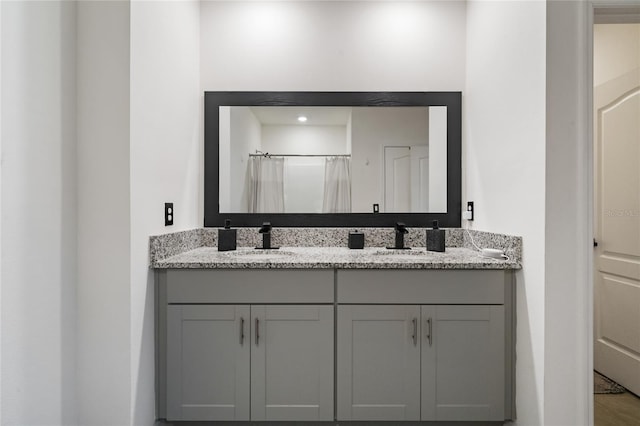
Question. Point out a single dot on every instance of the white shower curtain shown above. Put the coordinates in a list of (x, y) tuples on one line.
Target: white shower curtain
[(337, 185), (267, 185)]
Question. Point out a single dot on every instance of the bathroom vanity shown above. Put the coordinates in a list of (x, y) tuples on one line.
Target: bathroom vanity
[(331, 334), (315, 332)]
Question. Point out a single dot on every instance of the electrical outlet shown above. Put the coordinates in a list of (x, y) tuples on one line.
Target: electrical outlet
[(168, 214), (376, 208), (468, 214)]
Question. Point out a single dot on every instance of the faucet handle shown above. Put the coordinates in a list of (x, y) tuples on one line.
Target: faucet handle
[(265, 228), (401, 228)]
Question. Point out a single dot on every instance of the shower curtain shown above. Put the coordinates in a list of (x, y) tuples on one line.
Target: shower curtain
[(267, 185), (337, 185)]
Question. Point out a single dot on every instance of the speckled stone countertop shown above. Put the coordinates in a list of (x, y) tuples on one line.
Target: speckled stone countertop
[(326, 248), (333, 258)]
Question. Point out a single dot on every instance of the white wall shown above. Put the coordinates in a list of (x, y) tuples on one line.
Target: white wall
[(283, 139), (246, 138), (224, 158), (437, 159), (165, 161), (104, 225), (82, 190), (616, 51), (38, 262), (504, 127), (334, 46), (138, 148), (371, 130)]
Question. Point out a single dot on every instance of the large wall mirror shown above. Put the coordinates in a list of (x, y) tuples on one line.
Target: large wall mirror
[(333, 158)]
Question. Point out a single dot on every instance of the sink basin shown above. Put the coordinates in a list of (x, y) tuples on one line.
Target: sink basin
[(266, 255), (391, 254), (394, 252)]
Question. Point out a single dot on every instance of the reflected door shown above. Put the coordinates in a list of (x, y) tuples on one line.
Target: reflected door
[(397, 179), (406, 178), (420, 178)]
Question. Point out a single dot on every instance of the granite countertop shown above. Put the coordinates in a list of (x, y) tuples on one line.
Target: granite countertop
[(332, 258)]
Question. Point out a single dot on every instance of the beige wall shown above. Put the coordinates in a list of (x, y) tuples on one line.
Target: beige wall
[(616, 51)]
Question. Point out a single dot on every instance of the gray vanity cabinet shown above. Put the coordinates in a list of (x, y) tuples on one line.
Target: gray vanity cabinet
[(378, 361), (399, 362), (208, 354), (463, 369), (257, 360), (292, 363), (448, 360), (375, 344)]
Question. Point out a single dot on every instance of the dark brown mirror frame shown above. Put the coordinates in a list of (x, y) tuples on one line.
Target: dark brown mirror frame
[(214, 100)]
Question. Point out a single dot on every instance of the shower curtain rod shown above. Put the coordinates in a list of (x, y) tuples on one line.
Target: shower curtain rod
[(267, 154)]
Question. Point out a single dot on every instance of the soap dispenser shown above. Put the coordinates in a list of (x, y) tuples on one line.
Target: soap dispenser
[(356, 240), (227, 237), (435, 238)]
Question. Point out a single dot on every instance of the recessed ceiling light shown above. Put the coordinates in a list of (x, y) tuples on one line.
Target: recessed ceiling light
[(302, 118)]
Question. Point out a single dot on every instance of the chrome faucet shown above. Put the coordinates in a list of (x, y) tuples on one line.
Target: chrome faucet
[(401, 229), (265, 230)]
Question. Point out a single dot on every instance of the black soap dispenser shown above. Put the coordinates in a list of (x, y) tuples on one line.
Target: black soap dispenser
[(227, 237), (356, 240), (435, 238)]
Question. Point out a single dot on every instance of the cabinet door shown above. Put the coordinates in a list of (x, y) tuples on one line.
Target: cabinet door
[(208, 362), (378, 362), (292, 363), (463, 350)]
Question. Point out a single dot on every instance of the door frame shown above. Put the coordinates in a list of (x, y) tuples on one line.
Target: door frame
[(601, 12)]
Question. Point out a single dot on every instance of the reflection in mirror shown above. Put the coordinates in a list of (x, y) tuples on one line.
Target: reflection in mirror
[(290, 159)]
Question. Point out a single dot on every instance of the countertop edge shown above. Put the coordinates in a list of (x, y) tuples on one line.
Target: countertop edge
[(312, 258)]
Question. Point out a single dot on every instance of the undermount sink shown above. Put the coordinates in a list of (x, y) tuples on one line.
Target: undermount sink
[(400, 254), (267, 254)]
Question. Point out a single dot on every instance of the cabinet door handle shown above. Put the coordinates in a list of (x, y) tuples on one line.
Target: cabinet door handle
[(415, 331), (257, 331), (241, 331), (429, 331)]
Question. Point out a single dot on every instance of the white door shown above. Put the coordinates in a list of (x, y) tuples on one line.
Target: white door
[(397, 179), (292, 363), (463, 369), (208, 362), (378, 362), (617, 217), (419, 178)]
